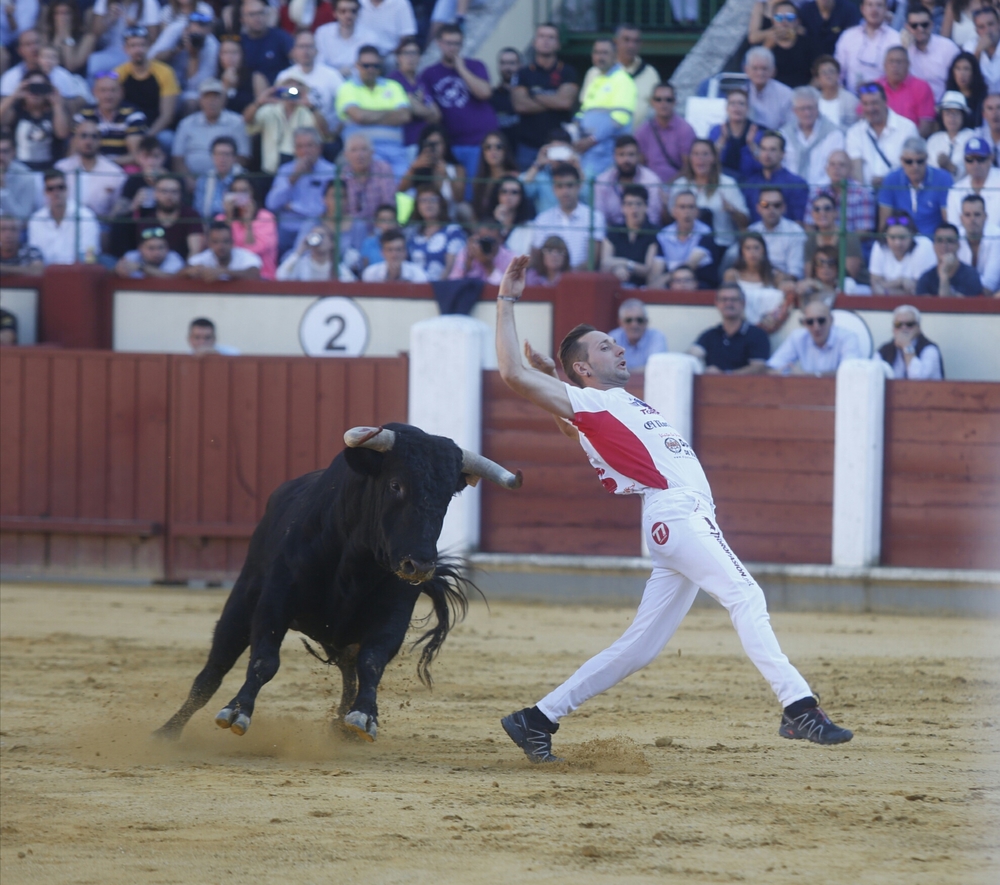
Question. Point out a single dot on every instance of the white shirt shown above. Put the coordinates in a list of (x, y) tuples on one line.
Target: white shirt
[(339, 52), (800, 348), (988, 260), (409, 273), (100, 188), (990, 194), (925, 367), (303, 269), (918, 260), (323, 82), (940, 143), (575, 230), (932, 65), (630, 445), (388, 22), (842, 110), (989, 66), (862, 57), (861, 141), (785, 245), (59, 243), (241, 259)]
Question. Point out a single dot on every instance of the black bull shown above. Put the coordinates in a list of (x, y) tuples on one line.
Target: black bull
[(342, 555)]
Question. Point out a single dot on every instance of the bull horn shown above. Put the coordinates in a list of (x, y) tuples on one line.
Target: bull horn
[(476, 466), (376, 438)]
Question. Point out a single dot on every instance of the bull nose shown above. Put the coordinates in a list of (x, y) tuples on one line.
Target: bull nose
[(415, 570)]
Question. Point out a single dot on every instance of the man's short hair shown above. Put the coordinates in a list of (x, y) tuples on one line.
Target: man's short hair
[(870, 88), (946, 225), (607, 40), (450, 28), (150, 144), (390, 236), (917, 10), (759, 52), (636, 190), (773, 133), (311, 131), (632, 304), (915, 145), (368, 49), (51, 174), (572, 351), (220, 225), (626, 26), (625, 141), (565, 170), (974, 198), (770, 190), (507, 49), (386, 207), (986, 9), (201, 323), (735, 287), (224, 139), (810, 93), (908, 308)]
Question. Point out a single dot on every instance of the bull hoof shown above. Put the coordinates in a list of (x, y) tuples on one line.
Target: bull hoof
[(232, 719), (361, 725), (240, 724)]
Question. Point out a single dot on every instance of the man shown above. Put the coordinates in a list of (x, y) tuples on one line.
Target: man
[(818, 348), (607, 107), (930, 54), (181, 224), (502, 97), (297, 192), (388, 22), (785, 240), (860, 202), (905, 94), (100, 180), (545, 95), (861, 50), (15, 258), (952, 276), (537, 178), (394, 267), (636, 452), (323, 81), (221, 260), (984, 46), (338, 42), (154, 258), (981, 178), (916, 188), (627, 170), (628, 39), (188, 45), (196, 133), (810, 138), (635, 336), (990, 130), (369, 181), (734, 347), (18, 188), (149, 85), (29, 46), (665, 139), (980, 242), (212, 186), (770, 101), (773, 174), (581, 228), (121, 126), (460, 87), (265, 49), (875, 143), (201, 339), (682, 279), (910, 353), (62, 231), (687, 241), (375, 106), (824, 21)]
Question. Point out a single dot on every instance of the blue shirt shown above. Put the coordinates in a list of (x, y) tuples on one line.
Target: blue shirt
[(794, 189), (637, 354), (293, 203), (800, 348), (267, 54), (922, 204)]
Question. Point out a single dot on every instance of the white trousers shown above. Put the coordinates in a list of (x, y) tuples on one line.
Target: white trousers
[(688, 552)]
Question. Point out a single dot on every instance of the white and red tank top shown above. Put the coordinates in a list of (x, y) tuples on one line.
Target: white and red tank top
[(633, 450)]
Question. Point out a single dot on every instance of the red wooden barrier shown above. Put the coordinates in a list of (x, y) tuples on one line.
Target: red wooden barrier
[(941, 501)]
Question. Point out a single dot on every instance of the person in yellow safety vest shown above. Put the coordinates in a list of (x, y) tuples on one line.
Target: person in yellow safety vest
[(606, 109)]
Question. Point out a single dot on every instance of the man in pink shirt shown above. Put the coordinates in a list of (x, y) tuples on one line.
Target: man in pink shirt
[(665, 139), (905, 94)]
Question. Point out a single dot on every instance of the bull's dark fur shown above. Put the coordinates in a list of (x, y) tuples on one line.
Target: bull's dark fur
[(342, 555)]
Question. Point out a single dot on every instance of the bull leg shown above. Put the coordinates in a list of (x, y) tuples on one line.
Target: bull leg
[(347, 662)]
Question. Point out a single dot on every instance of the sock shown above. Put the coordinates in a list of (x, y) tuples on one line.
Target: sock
[(799, 707), (537, 719)]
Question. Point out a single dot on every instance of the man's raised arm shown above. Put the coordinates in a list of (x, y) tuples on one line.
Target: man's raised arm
[(542, 390)]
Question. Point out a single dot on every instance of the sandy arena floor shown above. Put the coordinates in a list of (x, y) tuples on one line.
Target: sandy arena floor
[(443, 797)]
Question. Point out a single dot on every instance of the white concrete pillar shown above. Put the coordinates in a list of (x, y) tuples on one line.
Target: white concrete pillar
[(445, 398), (859, 449)]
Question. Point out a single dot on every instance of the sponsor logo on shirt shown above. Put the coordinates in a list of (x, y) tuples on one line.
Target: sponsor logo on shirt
[(676, 446), (646, 408)]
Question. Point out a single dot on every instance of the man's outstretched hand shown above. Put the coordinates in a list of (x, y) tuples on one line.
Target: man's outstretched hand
[(512, 284)]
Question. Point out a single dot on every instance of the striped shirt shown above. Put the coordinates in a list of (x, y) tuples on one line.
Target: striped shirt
[(127, 121)]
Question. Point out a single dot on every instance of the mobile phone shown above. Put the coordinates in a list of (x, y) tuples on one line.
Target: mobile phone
[(560, 153)]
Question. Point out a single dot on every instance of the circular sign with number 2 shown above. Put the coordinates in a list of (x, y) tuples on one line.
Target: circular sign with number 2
[(334, 326)]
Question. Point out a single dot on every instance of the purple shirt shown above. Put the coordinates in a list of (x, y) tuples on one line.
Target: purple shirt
[(465, 118), (668, 160), (412, 130)]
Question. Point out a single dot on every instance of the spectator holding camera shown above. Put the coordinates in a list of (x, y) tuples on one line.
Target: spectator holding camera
[(222, 260), (323, 81), (313, 260), (394, 268), (36, 115), (910, 353), (253, 227), (188, 45), (280, 111), (484, 256), (29, 47), (153, 259)]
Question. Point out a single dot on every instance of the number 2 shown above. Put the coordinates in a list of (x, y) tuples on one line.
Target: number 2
[(332, 343)]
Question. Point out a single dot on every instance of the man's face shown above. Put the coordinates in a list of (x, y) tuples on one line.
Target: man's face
[(151, 162), (602, 56), (771, 206), (838, 167), (304, 51), (633, 322), (973, 218), (806, 112), (55, 193), (546, 40), (347, 13), (873, 107), (306, 148), (507, 64), (627, 45), (223, 159), (873, 12), (683, 280), (153, 251), (359, 156), (919, 26), (368, 66), (567, 191), (385, 220), (991, 111), (664, 103), (136, 49), (945, 243), (626, 160), (107, 93), (167, 194), (394, 252), (915, 166), (605, 361), (817, 320), (634, 210), (771, 153), (730, 304), (10, 234), (759, 72), (905, 324), (897, 65), (988, 27), (221, 243), (254, 15), (86, 140), (685, 211), (28, 45), (201, 339), (977, 167), (450, 46), (211, 104)]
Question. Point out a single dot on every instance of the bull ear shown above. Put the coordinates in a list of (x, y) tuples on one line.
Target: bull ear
[(364, 461), (463, 482)]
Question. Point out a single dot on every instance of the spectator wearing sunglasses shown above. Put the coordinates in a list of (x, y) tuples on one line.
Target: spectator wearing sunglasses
[(790, 49), (154, 258), (952, 276), (63, 232), (635, 335), (665, 139), (896, 266), (981, 178), (916, 188), (861, 50), (875, 142), (785, 240), (911, 354), (816, 349), (930, 54)]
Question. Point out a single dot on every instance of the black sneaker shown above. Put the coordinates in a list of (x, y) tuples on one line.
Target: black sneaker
[(536, 743), (813, 725)]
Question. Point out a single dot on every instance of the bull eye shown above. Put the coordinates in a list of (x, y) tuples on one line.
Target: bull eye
[(395, 486)]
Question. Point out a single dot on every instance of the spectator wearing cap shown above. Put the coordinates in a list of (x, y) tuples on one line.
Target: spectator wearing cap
[(188, 45), (121, 126), (94, 181), (212, 185), (338, 42), (985, 45), (770, 101), (15, 257), (734, 347), (819, 347), (810, 137), (394, 267), (952, 276), (910, 354), (771, 156), (665, 138), (627, 170), (322, 80), (946, 148), (63, 232), (980, 242), (860, 212), (990, 130), (18, 185), (196, 133), (687, 241), (981, 178), (875, 142), (905, 94), (916, 188), (297, 192), (824, 21), (387, 22), (634, 334), (785, 240), (222, 260), (861, 50), (930, 54), (276, 114), (149, 85), (8, 329), (581, 228), (265, 49), (154, 258)]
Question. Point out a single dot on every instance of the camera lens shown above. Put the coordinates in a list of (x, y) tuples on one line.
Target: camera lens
[(197, 40), (314, 239), (39, 88), (487, 244)]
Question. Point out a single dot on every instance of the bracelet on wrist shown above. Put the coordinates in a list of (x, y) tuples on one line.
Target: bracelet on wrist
[(510, 298)]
